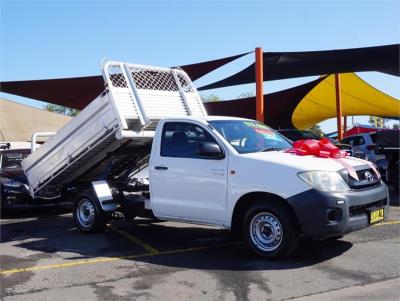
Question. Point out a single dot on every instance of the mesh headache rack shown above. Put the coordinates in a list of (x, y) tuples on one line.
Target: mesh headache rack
[(144, 94)]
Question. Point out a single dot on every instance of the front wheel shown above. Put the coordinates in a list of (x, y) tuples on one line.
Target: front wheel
[(270, 230), (88, 215)]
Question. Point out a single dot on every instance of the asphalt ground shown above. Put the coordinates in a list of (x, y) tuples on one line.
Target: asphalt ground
[(43, 256)]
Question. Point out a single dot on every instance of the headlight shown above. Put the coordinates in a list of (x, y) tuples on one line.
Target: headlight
[(10, 183), (324, 180)]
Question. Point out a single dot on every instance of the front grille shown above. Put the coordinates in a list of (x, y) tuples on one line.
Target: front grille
[(361, 209), (367, 178)]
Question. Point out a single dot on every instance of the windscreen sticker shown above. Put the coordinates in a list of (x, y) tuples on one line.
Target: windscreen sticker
[(256, 125), (268, 134), (262, 129)]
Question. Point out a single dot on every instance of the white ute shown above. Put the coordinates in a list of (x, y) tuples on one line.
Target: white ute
[(146, 147)]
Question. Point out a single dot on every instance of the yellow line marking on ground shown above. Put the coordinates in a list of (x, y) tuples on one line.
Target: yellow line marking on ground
[(108, 259), (387, 223), (135, 240), (151, 252)]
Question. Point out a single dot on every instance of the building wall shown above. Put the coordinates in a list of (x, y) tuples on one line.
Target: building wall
[(18, 122)]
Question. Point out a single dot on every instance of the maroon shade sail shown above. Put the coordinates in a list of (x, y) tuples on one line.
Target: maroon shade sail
[(195, 71), (283, 65), (278, 106), (78, 92)]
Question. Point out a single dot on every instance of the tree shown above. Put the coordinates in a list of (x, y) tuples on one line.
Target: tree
[(377, 121), (210, 98), (61, 110), (396, 126), (246, 95), (316, 129)]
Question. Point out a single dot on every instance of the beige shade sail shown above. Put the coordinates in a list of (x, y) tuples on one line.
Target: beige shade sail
[(358, 98), (18, 122)]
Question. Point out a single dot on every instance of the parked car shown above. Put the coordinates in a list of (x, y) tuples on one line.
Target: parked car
[(13, 182), (363, 142), (364, 145), (294, 135)]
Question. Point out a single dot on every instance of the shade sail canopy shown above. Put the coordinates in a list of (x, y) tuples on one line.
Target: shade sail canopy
[(299, 107), (78, 92), (358, 98), (282, 65), (195, 71), (278, 106), (308, 104)]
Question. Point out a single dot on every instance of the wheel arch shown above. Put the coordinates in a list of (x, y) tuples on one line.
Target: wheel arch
[(246, 200)]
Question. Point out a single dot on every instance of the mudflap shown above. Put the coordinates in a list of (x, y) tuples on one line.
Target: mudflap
[(104, 195)]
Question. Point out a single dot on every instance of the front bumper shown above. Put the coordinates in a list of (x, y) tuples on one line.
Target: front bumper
[(326, 214)]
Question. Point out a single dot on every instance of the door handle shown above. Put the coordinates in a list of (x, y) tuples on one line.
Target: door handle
[(161, 167)]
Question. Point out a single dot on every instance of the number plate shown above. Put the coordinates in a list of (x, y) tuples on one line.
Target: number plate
[(376, 216)]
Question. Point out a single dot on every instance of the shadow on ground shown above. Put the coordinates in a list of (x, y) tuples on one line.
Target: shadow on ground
[(28, 212), (51, 234), (52, 231)]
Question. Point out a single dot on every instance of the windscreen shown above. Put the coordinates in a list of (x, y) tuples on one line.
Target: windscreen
[(248, 136)]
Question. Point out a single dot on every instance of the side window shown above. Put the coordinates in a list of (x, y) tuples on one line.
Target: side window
[(181, 139), (348, 141), (373, 137), (359, 140), (345, 141)]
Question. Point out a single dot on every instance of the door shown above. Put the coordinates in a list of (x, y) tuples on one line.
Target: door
[(185, 185)]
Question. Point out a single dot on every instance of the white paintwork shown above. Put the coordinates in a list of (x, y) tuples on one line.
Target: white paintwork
[(36, 135), (191, 189), (203, 190)]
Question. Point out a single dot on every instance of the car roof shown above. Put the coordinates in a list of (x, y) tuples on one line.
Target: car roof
[(17, 150), (204, 119), (359, 134)]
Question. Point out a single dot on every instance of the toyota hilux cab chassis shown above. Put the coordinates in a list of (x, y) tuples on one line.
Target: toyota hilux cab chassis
[(147, 148)]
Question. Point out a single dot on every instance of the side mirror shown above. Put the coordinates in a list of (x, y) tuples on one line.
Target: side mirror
[(210, 150)]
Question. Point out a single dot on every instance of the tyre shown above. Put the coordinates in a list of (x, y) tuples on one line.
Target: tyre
[(271, 230), (88, 215)]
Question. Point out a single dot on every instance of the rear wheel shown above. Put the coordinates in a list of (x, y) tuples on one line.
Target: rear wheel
[(270, 230), (88, 215)]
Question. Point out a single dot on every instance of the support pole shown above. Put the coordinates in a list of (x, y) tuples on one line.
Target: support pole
[(338, 107), (259, 85), (344, 125)]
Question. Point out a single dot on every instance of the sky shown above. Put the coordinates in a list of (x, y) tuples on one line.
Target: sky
[(54, 39)]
